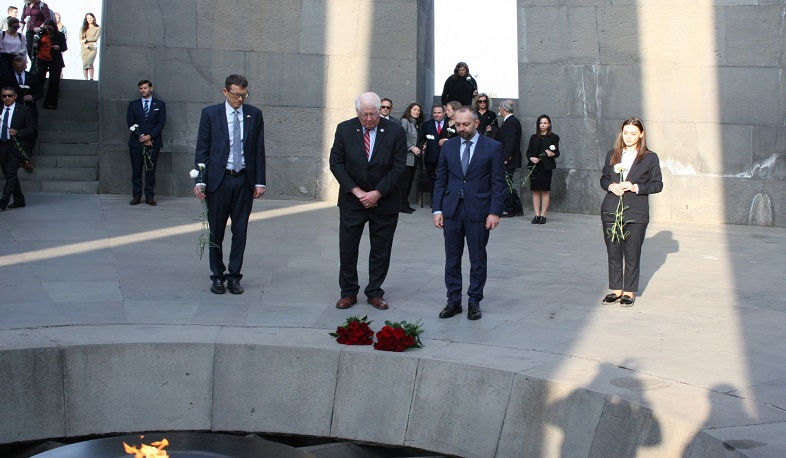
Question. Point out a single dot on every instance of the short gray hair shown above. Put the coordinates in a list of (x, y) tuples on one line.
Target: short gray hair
[(508, 105), (367, 98), (471, 110)]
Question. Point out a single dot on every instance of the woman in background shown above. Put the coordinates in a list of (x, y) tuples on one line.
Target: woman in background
[(90, 34), (450, 131), (49, 47), (460, 86), (542, 150), (486, 117), (631, 173), (60, 27), (12, 44), (410, 121)]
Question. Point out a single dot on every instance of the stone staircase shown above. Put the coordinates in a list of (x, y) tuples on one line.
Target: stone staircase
[(66, 154)]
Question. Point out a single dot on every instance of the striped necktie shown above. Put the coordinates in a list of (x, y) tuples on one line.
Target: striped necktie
[(147, 108)]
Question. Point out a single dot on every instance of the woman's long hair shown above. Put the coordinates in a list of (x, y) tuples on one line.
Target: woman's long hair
[(456, 75), (408, 114), (641, 148), (537, 124), (85, 25)]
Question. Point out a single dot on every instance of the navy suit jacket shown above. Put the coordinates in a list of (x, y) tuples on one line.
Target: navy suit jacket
[(152, 126), (31, 80), (644, 172), (25, 124), (510, 136), (212, 146), (432, 146), (351, 168), (483, 187)]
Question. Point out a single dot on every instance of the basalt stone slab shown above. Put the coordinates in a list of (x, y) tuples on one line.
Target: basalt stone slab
[(31, 387), (559, 34), (278, 380)]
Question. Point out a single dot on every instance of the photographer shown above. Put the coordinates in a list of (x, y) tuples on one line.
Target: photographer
[(48, 47)]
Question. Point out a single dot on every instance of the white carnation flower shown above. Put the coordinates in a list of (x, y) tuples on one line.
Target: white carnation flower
[(553, 148), (193, 173), (619, 168)]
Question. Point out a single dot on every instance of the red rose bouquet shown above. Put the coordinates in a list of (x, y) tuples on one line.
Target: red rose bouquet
[(354, 331), (399, 336)]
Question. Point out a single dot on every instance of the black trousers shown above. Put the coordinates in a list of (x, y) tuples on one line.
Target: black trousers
[(381, 229), (137, 167), (406, 185), (53, 93), (233, 199), (512, 200), (431, 170), (625, 253), (9, 163)]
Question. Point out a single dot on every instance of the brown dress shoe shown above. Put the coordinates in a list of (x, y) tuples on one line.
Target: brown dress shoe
[(135, 201), (346, 302), (151, 202), (378, 303)]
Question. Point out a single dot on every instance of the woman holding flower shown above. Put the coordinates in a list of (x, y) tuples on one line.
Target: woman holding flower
[(631, 173), (410, 121), (542, 150), (460, 86), (450, 131), (486, 117)]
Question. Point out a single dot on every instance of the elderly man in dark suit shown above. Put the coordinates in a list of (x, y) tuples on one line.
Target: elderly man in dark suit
[(231, 143), (18, 124), (510, 136), (468, 201), (367, 158), (149, 115), (29, 91)]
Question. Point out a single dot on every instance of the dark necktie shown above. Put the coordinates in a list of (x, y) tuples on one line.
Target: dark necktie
[(237, 144), (4, 131), (465, 157), (147, 108), (19, 78), (367, 142)]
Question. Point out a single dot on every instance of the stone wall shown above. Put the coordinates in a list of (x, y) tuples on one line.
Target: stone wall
[(705, 77), (305, 62)]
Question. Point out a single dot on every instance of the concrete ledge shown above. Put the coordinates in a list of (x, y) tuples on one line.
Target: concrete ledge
[(455, 398)]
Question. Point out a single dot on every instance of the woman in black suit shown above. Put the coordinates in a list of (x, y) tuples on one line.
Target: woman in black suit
[(49, 45), (630, 174), (542, 150)]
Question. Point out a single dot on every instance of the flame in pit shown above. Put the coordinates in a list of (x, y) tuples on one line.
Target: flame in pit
[(154, 450)]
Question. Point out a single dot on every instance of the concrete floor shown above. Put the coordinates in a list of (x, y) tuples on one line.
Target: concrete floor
[(710, 315)]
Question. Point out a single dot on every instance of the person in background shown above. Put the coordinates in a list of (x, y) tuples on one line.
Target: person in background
[(510, 136), (60, 26), (90, 34), (450, 130), (386, 109), (460, 86), (12, 12), (542, 150), (33, 17), (150, 115), (411, 121), (486, 116), (29, 91), (17, 123), (631, 173), (49, 47), (12, 44)]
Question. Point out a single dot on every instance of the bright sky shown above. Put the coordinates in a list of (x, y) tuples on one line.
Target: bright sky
[(481, 33)]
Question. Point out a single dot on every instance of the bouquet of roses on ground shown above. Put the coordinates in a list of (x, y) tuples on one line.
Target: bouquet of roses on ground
[(399, 336), (354, 331)]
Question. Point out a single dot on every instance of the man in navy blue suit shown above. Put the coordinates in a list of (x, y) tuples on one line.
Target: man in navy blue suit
[(149, 114), (231, 144), (468, 199)]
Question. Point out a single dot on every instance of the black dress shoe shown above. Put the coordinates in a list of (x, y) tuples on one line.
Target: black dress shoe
[(542, 220), (218, 287), (450, 311), (151, 202), (234, 286), (627, 301), (17, 205), (135, 201), (408, 211), (507, 215), (3, 205), (412, 209), (474, 312), (536, 220), (611, 298)]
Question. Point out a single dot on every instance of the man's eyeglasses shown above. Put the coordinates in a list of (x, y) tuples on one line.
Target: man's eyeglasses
[(8, 96), (383, 107), (244, 95)]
